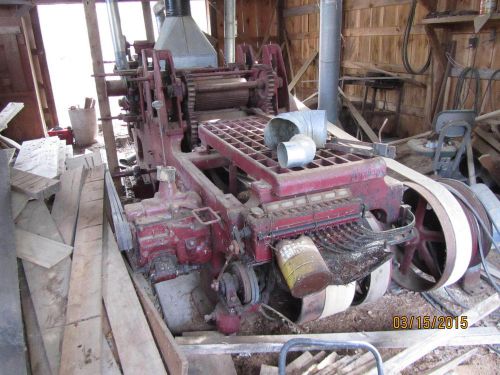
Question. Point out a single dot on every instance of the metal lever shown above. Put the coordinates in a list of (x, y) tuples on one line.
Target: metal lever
[(362, 148)]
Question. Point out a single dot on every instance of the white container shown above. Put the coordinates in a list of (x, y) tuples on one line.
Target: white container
[(84, 124)]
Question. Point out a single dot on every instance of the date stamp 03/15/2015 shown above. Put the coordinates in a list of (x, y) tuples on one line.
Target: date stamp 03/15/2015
[(429, 322)]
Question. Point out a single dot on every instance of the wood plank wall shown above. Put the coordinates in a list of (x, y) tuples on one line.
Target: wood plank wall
[(373, 34), (17, 81)]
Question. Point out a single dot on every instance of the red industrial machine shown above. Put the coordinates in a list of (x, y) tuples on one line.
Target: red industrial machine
[(226, 207)]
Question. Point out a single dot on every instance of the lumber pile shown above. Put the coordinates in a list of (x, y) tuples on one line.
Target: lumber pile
[(80, 309)]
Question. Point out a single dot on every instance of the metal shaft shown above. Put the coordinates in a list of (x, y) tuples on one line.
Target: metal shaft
[(329, 57), (229, 30), (116, 34)]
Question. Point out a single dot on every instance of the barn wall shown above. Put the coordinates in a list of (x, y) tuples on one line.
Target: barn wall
[(373, 35)]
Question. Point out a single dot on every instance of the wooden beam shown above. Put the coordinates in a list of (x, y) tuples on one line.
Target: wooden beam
[(380, 339), (437, 338), (171, 352), (12, 345), (148, 20), (359, 118), (302, 70), (83, 327), (451, 365), (100, 82), (134, 341), (8, 113), (66, 202), (39, 250)]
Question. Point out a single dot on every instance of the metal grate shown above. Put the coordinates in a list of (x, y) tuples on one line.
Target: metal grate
[(247, 136)]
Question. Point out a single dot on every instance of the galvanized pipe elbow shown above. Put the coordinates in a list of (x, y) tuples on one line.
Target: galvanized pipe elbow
[(297, 152), (284, 126)]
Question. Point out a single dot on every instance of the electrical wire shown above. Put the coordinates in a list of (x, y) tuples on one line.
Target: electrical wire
[(488, 90), (406, 40), (459, 99)]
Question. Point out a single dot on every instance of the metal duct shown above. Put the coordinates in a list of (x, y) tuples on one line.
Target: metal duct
[(181, 35), (329, 57), (116, 34), (229, 30), (177, 8), (299, 151)]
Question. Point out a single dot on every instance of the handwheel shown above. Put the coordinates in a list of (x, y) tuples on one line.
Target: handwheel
[(430, 260)]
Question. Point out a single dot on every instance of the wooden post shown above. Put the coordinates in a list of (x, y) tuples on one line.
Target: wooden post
[(100, 83), (148, 20)]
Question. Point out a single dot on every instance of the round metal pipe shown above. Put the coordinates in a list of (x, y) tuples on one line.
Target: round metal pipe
[(229, 30), (116, 34), (299, 151), (329, 57), (159, 11), (177, 8)]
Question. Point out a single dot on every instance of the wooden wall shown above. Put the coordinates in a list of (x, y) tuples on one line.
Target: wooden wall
[(373, 35), (24, 75)]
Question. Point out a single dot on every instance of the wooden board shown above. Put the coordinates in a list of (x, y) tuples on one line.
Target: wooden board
[(48, 287), (18, 202), (40, 157), (8, 113), (380, 339), (86, 161), (81, 350), (134, 341), (66, 203), (32, 185), (40, 250), (120, 223), (12, 345)]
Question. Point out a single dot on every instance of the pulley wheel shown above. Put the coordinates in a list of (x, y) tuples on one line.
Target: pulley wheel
[(248, 290), (430, 260), (465, 192), (373, 286)]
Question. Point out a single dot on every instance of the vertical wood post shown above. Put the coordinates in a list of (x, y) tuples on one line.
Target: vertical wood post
[(100, 83), (148, 20)]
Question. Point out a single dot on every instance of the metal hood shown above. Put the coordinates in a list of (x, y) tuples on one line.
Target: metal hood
[(183, 38)]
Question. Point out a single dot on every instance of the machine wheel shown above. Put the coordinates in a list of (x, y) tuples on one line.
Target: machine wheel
[(476, 204), (248, 290), (431, 259), (373, 286)]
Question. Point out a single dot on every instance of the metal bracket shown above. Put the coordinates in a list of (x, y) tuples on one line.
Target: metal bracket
[(362, 148), (206, 215)]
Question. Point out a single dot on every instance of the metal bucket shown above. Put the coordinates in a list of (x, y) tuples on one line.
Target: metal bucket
[(84, 124)]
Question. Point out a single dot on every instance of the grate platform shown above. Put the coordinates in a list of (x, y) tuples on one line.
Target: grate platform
[(242, 141)]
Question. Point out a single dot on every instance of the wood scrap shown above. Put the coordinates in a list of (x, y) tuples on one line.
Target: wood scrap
[(298, 363), (39, 363), (9, 142), (360, 361), (302, 70), (32, 185), (39, 250), (333, 367), (381, 339), (18, 202), (310, 368), (61, 157), (12, 344), (83, 327), (328, 360), (359, 118), (134, 341), (268, 370), (9, 154), (48, 287), (40, 157), (66, 203), (171, 352), (108, 363), (91, 160), (412, 354), (488, 137), (8, 113), (451, 365), (489, 115)]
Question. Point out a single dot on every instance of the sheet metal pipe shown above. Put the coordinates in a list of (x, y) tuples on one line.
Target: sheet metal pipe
[(116, 34), (229, 30), (329, 57)]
